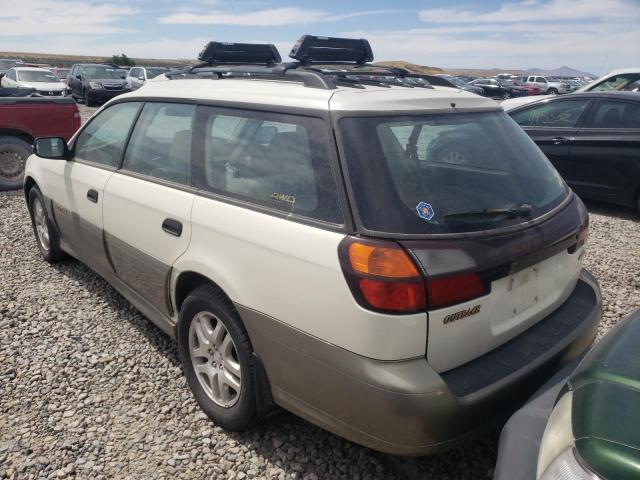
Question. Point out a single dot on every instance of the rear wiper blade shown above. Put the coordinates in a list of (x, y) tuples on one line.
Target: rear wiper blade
[(523, 210)]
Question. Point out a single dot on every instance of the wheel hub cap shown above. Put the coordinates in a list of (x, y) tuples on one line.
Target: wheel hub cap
[(11, 164), (215, 359)]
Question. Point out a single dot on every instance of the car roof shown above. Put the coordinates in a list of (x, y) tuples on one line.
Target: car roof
[(295, 95)]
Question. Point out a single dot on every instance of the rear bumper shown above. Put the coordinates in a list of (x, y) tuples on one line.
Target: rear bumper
[(405, 407)]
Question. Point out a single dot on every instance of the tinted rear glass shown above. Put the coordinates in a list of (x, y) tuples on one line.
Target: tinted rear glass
[(440, 173)]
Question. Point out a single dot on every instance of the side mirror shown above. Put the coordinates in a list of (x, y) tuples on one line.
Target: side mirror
[(141, 77), (54, 148), (79, 77)]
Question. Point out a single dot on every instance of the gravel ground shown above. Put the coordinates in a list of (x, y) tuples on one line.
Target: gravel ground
[(90, 389)]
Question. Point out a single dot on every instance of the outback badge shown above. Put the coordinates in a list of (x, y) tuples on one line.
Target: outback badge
[(452, 317)]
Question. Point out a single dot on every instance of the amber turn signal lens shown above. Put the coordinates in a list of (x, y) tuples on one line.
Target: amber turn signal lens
[(389, 262)]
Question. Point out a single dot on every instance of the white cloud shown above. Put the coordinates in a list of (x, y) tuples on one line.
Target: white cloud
[(71, 17), (268, 18), (532, 10)]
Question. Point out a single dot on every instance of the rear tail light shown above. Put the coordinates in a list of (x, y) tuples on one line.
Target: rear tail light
[(383, 277), (76, 121)]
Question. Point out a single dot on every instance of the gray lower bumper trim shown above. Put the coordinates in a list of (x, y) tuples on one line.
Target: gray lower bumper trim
[(401, 407)]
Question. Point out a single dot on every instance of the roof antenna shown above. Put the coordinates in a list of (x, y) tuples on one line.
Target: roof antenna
[(453, 105)]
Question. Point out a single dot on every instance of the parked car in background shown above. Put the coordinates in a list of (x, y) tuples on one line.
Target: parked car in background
[(61, 72), (583, 424), (498, 88), (530, 88), (8, 63), (547, 86), (625, 79), (137, 76), (95, 83), (460, 83), (405, 315), (24, 118), (40, 79), (593, 140)]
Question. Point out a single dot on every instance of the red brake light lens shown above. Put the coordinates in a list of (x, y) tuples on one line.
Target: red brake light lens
[(394, 296)]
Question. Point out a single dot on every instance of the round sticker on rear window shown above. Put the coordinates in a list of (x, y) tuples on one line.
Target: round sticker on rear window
[(425, 211)]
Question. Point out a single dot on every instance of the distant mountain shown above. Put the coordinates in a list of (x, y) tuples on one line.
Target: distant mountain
[(411, 67), (563, 71)]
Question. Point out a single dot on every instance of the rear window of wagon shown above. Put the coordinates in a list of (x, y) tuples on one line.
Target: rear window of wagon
[(420, 174)]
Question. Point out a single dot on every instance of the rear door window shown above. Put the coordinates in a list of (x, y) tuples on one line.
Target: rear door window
[(278, 161), (563, 114), (613, 114), (160, 145)]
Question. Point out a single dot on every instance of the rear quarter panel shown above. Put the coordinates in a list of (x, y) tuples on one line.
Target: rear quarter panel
[(291, 272)]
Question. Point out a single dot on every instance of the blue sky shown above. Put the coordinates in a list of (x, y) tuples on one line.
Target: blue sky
[(592, 35)]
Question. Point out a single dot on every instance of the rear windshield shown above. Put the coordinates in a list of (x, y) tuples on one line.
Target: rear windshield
[(449, 173)]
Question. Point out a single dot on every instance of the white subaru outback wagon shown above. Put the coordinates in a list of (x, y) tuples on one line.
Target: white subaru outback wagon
[(397, 264)]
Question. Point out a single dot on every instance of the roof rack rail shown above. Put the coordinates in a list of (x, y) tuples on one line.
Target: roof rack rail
[(314, 49), (286, 71)]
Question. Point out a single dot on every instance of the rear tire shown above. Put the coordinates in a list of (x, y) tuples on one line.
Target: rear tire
[(47, 237), (215, 348), (552, 91), (13, 156)]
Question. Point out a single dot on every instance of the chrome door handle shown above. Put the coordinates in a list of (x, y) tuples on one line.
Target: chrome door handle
[(560, 140)]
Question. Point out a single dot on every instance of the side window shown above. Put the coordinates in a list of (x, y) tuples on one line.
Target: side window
[(104, 138), (273, 160), (160, 145), (557, 114), (612, 114)]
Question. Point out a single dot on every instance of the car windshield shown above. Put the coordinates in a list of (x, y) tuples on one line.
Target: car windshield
[(37, 76), (100, 73), (154, 72), (445, 173)]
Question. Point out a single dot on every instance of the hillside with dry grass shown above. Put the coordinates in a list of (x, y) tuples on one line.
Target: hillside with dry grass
[(68, 60), (411, 67)]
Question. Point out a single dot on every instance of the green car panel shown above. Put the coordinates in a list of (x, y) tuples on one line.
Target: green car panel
[(606, 404)]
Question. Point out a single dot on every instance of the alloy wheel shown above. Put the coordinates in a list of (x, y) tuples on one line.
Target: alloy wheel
[(215, 359), (42, 227)]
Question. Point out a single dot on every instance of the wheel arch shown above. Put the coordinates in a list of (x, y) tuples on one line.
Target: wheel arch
[(187, 281), (29, 183), (14, 132)]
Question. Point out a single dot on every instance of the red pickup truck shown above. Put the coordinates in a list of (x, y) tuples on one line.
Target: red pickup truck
[(22, 120)]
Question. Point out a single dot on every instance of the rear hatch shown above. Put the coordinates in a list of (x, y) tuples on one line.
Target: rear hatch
[(495, 231)]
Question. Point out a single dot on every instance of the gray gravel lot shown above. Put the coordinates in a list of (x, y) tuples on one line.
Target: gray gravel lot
[(90, 389)]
